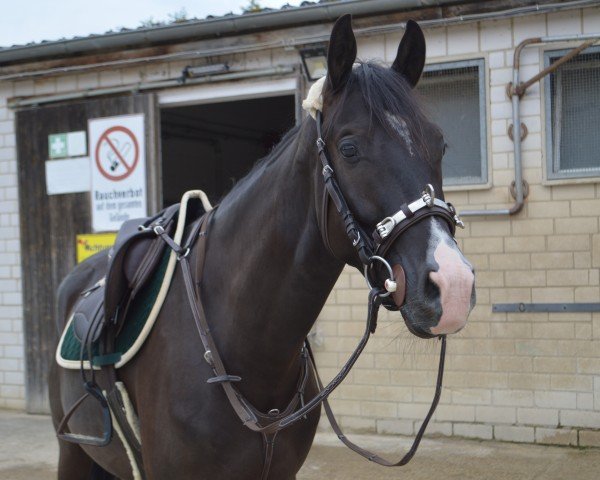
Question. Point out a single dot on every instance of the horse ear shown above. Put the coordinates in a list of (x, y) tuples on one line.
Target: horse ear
[(341, 53), (410, 58)]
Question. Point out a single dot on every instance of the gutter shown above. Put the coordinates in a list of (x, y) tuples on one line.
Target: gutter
[(289, 42), (217, 27)]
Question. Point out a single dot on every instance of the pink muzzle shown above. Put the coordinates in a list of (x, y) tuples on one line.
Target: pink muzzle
[(455, 280)]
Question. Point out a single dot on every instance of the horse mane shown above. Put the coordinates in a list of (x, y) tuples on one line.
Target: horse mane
[(385, 92)]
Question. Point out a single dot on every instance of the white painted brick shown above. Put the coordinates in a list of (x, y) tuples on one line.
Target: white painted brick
[(528, 26), (537, 416), (501, 76), (395, 427), (496, 35), (514, 434), (14, 378), (580, 418), (462, 39), (585, 401), (498, 95), (513, 397), (469, 430), (496, 60), (564, 23), (591, 20), (436, 41), (10, 338), (11, 351), (495, 414), (589, 438), (556, 436)]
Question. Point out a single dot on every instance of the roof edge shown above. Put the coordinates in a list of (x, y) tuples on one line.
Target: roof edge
[(212, 27)]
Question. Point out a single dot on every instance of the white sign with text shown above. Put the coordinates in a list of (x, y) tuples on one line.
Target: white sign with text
[(118, 164)]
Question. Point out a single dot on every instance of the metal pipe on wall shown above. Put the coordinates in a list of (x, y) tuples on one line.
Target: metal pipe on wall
[(516, 90), (138, 87)]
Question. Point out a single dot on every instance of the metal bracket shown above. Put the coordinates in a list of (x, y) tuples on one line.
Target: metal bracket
[(524, 131), (545, 307), (513, 190)]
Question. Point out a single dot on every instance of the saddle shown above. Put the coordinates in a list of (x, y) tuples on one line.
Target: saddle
[(135, 259), (132, 260)]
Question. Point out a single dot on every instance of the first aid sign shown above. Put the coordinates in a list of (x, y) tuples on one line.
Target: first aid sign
[(118, 160)]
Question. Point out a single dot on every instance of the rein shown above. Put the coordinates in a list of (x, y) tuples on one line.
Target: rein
[(369, 250)]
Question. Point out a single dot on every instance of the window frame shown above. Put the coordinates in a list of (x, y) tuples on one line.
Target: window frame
[(552, 155), (462, 183)]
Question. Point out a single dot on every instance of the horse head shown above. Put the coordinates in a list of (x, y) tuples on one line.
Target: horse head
[(384, 151)]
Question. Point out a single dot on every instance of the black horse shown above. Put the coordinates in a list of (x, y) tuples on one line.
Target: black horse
[(268, 272)]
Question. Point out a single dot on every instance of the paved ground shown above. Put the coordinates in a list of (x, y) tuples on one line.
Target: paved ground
[(28, 452)]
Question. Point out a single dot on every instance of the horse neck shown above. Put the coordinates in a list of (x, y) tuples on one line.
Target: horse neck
[(267, 272)]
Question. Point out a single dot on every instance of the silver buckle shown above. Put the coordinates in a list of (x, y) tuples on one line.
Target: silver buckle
[(327, 169), (428, 195), (385, 227)]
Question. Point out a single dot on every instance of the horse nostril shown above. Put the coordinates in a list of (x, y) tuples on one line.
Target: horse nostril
[(430, 288)]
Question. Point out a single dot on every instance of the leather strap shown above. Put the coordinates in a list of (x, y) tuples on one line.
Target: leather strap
[(415, 445), (270, 425)]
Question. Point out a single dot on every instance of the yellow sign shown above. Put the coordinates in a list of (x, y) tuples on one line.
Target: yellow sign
[(90, 243)]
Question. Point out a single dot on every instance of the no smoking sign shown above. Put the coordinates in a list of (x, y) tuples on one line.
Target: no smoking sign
[(118, 170), (117, 153)]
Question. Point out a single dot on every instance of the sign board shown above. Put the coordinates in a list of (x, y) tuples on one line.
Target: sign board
[(118, 166), (70, 175), (68, 144), (90, 243)]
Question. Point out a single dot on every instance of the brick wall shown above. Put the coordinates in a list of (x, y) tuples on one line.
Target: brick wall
[(516, 377), (11, 325)]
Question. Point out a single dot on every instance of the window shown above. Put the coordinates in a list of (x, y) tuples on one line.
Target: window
[(573, 115), (454, 96)]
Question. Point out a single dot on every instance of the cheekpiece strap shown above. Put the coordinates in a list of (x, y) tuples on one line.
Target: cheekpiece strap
[(360, 241)]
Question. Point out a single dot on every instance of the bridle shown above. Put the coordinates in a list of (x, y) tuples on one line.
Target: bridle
[(370, 250), (373, 248)]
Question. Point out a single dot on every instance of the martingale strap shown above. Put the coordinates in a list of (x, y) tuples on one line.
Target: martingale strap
[(271, 423)]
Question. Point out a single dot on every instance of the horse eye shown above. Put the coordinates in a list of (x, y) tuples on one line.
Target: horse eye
[(348, 150), (444, 148)]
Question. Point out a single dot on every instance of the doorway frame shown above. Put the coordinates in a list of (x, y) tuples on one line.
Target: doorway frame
[(221, 92)]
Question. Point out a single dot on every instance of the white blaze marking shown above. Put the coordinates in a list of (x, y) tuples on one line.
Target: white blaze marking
[(400, 127), (454, 279)]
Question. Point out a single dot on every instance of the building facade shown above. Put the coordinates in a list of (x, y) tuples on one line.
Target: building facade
[(517, 372)]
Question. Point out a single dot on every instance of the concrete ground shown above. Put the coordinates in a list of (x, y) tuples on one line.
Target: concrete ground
[(28, 450)]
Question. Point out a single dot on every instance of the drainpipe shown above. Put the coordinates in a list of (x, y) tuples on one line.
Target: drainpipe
[(516, 89)]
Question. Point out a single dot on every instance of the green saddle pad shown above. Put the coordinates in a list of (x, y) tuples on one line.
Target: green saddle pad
[(133, 325)]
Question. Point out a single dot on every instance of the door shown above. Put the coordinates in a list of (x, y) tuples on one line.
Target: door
[(49, 223)]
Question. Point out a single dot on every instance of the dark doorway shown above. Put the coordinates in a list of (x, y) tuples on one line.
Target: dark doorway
[(211, 146)]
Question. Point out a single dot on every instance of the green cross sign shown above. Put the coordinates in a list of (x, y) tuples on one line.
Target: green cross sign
[(57, 145), (68, 144)]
